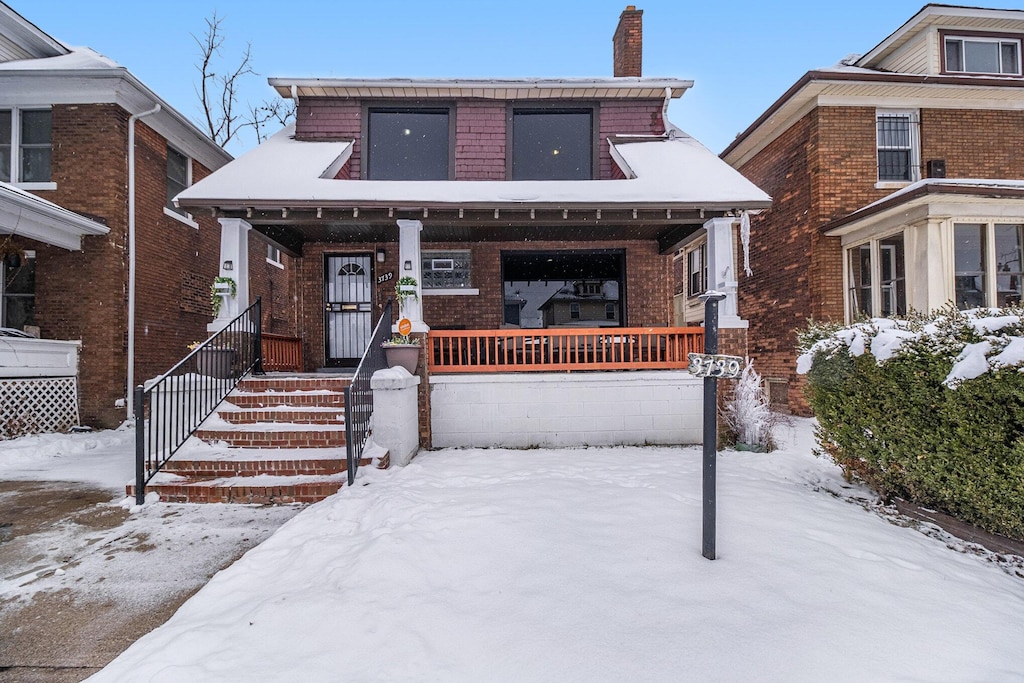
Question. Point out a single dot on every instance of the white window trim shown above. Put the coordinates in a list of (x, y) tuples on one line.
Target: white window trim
[(915, 148), (186, 217), (696, 246), (981, 39), (467, 291), (874, 242), (16, 148), (278, 262), (991, 275)]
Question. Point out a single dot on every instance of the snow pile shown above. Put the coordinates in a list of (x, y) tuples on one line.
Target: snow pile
[(585, 565), (978, 340), (84, 458)]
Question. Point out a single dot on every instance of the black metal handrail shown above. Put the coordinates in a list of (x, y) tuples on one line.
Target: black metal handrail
[(359, 394), (169, 409)]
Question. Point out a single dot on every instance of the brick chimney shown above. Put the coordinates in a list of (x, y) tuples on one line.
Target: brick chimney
[(628, 42)]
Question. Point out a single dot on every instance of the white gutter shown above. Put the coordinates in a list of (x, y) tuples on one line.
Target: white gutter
[(132, 258)]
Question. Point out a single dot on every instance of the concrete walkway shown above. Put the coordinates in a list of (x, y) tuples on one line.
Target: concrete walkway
[(81, 579)]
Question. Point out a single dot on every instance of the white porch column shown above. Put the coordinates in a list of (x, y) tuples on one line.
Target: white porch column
[(722, 269), (409, 265), (234, 250)]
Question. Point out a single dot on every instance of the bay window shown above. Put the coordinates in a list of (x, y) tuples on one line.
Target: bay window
[(877, 278), (988, 264)]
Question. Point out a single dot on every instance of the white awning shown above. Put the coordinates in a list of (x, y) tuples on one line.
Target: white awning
[(26, 215)]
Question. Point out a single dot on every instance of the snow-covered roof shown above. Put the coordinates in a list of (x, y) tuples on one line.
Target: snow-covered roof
[(25, 214), (84, 76), (496, 89), (664, 171), (968, 192)]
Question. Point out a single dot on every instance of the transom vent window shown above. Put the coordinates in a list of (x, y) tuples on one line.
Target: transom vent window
[(552, 144), (977, 55), (408, 144), (898, 149), (25, 145), (446, 269)]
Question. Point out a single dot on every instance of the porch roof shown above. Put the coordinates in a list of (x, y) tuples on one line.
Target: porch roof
[(661, 171), (933, 197), (26, 215)]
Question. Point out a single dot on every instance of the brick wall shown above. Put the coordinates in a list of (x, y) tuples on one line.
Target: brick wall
[(480, 130), (975, 144), (83, 295), (275, 285)]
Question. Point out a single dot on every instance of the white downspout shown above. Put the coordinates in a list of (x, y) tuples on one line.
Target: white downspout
[(131, 257)]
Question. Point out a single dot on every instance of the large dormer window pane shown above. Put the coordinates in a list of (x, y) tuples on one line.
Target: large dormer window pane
[(983, 55), (408, 144), (552, 145)]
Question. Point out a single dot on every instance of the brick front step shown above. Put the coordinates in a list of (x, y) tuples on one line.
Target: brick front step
[(311, 415), (252, 468), (287, 383), (290, 398), (278, 438), (234, 490)]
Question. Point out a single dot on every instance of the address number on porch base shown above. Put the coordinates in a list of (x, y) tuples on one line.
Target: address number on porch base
[(714, 365)]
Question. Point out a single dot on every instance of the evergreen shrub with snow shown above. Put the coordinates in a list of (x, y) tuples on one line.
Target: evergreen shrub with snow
[(929, 409)]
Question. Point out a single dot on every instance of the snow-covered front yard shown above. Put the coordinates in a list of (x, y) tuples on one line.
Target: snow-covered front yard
[(585, 565)]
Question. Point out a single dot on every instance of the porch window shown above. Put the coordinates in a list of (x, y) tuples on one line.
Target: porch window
[(552, 144), (877, 278), (18, 300), (274, 255), (969, 246), (565, 288), (177, 178), (446, 269), (982, 55), (897, 142), (25, 145), (697, 270), (988, 264), (407, 144)]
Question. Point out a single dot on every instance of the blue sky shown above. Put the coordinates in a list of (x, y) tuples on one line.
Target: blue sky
[(742, 55)]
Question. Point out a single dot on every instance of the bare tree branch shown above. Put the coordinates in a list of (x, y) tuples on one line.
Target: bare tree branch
[(218, 92)]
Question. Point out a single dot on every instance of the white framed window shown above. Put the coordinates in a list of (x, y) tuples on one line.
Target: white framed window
[(274, 256), (982, 55), (26, 146), (988, 265), (18, 290), (898, 146), (697, 270), (876, 278), (446, 269), (179, 177)]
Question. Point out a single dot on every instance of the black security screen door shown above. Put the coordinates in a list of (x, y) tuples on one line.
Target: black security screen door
[(564, 288)]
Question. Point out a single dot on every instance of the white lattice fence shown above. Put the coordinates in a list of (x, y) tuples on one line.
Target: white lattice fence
[(35, 406)]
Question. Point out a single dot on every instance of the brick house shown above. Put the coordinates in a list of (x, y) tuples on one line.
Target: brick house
[(493, 195), (898, 184), (80, 132)]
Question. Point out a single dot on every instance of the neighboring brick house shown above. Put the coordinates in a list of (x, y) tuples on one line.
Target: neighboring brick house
[(493, 194), (898, 184), (66, 118)]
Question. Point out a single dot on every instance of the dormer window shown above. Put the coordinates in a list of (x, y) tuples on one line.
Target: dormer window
[(552, 144), (982, 55), (408, 144)]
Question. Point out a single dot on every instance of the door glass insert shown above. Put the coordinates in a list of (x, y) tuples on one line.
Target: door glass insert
[(893, 276)]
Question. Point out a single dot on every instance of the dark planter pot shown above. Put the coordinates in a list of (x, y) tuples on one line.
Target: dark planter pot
[(404, 355), (215, 362)]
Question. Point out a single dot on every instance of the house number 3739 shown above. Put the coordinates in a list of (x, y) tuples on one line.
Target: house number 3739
[(715, 365)]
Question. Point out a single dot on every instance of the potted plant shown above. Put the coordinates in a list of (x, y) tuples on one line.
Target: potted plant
[(405, 289), (222, 287), (402, 350), (213, 361)]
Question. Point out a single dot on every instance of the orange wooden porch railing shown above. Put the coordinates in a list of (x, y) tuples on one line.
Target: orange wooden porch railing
[(281, 353), (562, 349)]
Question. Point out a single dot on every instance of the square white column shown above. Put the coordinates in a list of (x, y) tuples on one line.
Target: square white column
[(409, 264), (234, 253), (722, 269)]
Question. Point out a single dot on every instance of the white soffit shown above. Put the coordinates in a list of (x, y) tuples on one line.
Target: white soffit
[(26, 215)]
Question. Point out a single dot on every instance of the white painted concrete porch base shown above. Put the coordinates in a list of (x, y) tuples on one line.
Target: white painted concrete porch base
[(561, 409)]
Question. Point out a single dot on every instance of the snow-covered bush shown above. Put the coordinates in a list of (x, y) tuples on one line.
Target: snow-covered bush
[(747, 414), (930, 409)]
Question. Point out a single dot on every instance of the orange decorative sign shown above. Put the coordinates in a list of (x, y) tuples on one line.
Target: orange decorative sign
[(404, 327)]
